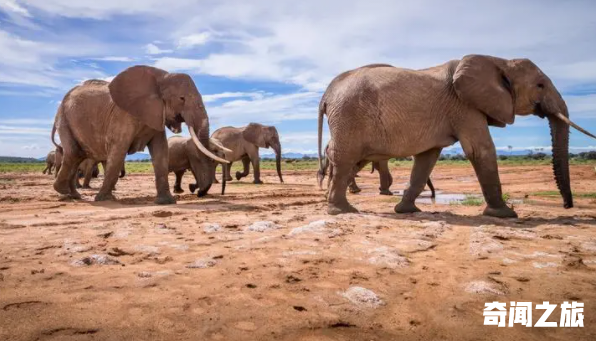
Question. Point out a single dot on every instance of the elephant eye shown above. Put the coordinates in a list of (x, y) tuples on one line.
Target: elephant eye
[(182, 98), (540, 85)]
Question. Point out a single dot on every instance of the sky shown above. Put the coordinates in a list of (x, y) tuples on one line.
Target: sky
[(270, 61)]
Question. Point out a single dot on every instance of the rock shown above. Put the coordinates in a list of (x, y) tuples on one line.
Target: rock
[(246, 326), (262, 226), (162, 214), (362, 297), (318, 226), (96, 259), (482, 287), (383, 256), (202, 263), (211, 227)]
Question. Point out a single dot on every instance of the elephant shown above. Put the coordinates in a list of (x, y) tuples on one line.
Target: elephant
[(183, 155), (245, 142), (107, 120), (53, 160), (384, 176), (379, 111), (89, 169)]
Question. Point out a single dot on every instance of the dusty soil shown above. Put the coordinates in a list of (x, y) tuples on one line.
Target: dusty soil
[(267, 263)]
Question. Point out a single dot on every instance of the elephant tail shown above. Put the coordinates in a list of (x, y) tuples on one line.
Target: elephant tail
[(58, 147), (322, 109)]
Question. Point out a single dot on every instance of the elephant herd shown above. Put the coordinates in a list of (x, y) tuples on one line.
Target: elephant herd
[(375, 112)]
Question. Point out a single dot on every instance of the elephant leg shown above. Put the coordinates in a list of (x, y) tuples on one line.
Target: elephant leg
[(384, 176), (483, 156), (103, 165), (226, 171), (215, 181), (254, 159), (113, 166), (46, 170), (338, 202), (88, 176), (57, 169), (158, 148), (432, 188), (196, 169), (423, 166), (66, 170), (352, 186), (178, 183), (246, 168)]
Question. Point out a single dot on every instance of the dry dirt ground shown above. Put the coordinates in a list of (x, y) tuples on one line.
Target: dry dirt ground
[(267, 263)]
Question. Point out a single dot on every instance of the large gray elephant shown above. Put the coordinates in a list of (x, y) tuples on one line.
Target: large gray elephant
[(382, 167), (53, 160), (105, 121), (184, 155), (245, 143), (379, 111)]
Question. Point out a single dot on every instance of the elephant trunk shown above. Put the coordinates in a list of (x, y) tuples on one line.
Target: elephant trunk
[(277, 149), (224, 167), (203, 191), (560, 141)]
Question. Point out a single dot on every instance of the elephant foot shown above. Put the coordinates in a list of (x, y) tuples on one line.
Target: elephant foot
[(385, 192), (178, 190), (87, 187), (62, 189), (238, 176), (215, 181), (165, 199), (229, 178), (70, 196), (406, 207), (257, 182), (192, 188), (501, 212), (355, 190), (105, 197), (333, 209)]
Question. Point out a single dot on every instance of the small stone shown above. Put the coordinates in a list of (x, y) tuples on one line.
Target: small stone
[(262, 226), (211, 227), (362, 297), (202, 264), (482, 287), (318, 226), (96, 259), (246, 326), (144, 274)]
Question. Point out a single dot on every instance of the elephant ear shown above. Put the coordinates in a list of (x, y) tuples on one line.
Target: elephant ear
[(253, 133), (136, 91), (482, 84)]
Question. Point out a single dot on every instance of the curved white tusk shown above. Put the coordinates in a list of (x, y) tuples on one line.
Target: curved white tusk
[(203, 149), (566, 120), (219, 145)]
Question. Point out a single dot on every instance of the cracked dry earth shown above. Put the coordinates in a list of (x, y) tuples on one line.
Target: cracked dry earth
[(267, 263)]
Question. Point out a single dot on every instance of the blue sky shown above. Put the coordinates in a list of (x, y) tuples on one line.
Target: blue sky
[(269, 61)]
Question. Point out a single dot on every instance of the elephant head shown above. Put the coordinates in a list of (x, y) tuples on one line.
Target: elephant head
[(265, 137), (503, 88), (160, 99)]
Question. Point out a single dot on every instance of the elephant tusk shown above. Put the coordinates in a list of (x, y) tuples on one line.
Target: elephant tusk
[(219, 145), (566, 120), (203, 149)]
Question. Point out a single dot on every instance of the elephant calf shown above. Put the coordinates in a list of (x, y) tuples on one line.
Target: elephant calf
[(384, 176), (89, 169), (183, 155), (53, 160), (245, 142)]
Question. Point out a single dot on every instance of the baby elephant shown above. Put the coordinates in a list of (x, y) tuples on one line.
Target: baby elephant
[(384, 176), (88, 169), (183, 154)]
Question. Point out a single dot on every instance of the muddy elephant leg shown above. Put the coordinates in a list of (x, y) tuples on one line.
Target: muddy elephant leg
[(178, 183), (57, 169), (385, 177), (88, 176), (158, 148), (113, 166), (226, 171), (338, 202), (215, 181), (432, 188), (66, 170), (483, 156), (423, 166), (352, 186), (254, 159), (246, 168)]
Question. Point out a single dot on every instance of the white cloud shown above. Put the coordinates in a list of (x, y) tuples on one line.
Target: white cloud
[(227, 95), (154, 49), (115, 59), (11, 5), (193, 40)]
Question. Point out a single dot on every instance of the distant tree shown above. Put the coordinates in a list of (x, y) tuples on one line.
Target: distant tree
[(510, 149)]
